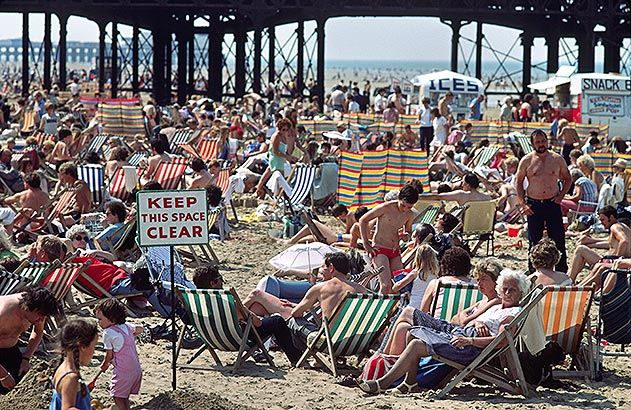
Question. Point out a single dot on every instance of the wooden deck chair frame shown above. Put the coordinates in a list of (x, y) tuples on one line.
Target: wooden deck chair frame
[(479, 221), (76, 307), (503, 346), (565, 324), (36, 272), (250, 332), (206, 252), (312, 227), (453, 298), (363, 317)]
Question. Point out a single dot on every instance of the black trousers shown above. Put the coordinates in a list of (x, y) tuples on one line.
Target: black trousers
[(426, 135), (11, 359), (277, 327), (547, 215)]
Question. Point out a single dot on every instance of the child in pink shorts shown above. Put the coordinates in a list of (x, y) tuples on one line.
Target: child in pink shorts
[(119, 339)]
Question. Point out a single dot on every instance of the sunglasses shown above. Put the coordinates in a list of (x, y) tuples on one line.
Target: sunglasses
[(81, 238)]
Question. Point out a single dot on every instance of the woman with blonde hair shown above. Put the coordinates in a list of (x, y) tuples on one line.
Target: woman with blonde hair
[(425, 268), (587, 166)]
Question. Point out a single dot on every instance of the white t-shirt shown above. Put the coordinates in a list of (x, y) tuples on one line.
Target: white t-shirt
[(353, 107), (380, 103), (440, 132), (337, 97), (75, 88), (113, 340), (495, 315), (425, 116), (418, 290)]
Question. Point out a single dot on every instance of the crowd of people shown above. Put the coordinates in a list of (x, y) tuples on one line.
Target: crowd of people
[(258, 140)]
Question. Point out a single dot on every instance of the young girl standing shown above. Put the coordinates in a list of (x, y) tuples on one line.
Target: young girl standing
[(119, 339), (78, 341)]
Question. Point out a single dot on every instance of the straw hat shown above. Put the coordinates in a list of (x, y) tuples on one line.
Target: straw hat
[(620, 163)]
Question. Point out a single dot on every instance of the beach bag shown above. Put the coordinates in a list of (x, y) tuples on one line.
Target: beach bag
[(378, 365)]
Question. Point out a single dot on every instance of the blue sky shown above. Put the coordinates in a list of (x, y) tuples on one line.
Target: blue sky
[(356, 38)]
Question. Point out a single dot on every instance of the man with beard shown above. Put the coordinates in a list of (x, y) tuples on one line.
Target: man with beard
[(543, 170)]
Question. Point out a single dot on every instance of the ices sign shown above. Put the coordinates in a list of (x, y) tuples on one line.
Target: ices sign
[(455, 85)]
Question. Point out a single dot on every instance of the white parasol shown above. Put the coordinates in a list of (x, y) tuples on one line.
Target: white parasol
[(302, 257), (336, 135)]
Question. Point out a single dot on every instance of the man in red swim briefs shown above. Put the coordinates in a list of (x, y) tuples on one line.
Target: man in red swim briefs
[(384, 248)]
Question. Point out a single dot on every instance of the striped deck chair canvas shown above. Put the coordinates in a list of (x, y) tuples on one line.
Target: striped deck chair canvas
[(96, 144), (117, 187), (93, 175), (208, 149), (179, 137), (429, 215), (302, 184), (11, 283), (356, 324), (136, 158), (28, 123), (61, 279), (35, 272), (215, 315), (169, 174), (565, 314), (452, 298), (524, 143), (485, 156), (41, 137)]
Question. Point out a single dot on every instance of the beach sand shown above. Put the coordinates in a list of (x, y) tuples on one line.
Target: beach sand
[(256, 386)]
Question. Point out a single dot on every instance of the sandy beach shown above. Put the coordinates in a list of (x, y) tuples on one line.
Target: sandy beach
[(256, 386)]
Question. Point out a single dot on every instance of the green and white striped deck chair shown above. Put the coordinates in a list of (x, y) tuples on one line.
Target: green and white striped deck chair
[(429, 215), (215, 315), (204, 253), (524, 143), (35, 272), (11, 283), (356, 324), (452, 298), (485, 156)]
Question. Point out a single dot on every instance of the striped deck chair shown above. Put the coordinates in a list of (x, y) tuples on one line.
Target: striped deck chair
[(179, 137), (524, 143), (95, 145), (215, 315), (484, 156), (28, 123), (452, 298), (614, 318), (429, 215), (41, 137), (357, 322), (223, 182), (169, 174), (565, 314), (44, 219), (60, 280), (35, 272), (208, 149), (312, 227), (503, 345), (479, 223), (202, 254), (95, 292), (11, 283), (304, 176), (93, 175), (136, 158)]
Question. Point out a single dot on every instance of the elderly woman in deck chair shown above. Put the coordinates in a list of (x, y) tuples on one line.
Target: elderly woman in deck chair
[(458, 343)]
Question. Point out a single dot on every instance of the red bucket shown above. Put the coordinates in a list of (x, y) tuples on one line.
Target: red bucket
[(513, 231)]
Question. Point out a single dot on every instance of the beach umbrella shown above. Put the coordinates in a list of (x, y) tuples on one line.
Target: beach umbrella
[(302, 257), (336, 135)]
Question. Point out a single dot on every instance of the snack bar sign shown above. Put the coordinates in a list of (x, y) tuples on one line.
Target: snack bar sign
[(172, 217)]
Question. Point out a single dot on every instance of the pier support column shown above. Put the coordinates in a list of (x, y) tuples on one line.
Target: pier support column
[(271, 58), (48, 47), (215, 59), (168, 64), (478, 50), (135, 56), (320, 68), (102, 56), (455, 40), (240, 38), (159, 55), (114, 62), (611, 63), (63, 34), (26, 75), (526, 42), (585, 40), (300, 61), (552, 43), (256, 75), (183, 39)]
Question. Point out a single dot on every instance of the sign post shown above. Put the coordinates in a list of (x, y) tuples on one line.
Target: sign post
[(170, 218)]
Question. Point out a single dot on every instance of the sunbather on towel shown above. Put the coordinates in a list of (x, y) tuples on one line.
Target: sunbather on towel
[(384, 247), (458, 343)]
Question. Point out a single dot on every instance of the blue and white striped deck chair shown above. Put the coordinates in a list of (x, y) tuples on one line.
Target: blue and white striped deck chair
[(11, 283), (182, 136), (452, 298), (354, 327), (93, 175), (215, 314), (135, 158), (302, 183), (95, 145)]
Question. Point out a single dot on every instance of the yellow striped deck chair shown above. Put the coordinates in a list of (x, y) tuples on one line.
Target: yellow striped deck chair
[(216, 315), (565, 317), (28, 123), (354, 327)]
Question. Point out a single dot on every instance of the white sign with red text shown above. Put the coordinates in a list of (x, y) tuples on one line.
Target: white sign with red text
[(172, 217)]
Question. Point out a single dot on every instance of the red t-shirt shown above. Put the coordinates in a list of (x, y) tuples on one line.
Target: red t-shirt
[(105, 274)]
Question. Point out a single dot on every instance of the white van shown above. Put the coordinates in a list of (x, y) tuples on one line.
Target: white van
[(592, 98), (435, 85)]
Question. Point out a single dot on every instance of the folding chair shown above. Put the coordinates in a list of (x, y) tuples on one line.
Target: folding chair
[(179, 137), (204, 253), (28, 123), (452, 298), (429, 215), (503, 346), (208, 149), (35, 272), (93, 175), (44, 218), (304, 175), (565, 321), (123, 179), (354, 327), (479, 222), (88, 286), (60, 279), (614, 318), (215, 315), (95, 145), (484, 156), (524, 143), (42, 137), (11, 283), (223, 182), (169, 174), (312, 227), (136, 158)]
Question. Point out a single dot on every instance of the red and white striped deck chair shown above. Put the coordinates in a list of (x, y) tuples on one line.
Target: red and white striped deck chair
[(169, 174), (565, 320), (118, 187), (35, 224), (190, 150), (223, 182), (208, 149), (41, 137), (61, 279)]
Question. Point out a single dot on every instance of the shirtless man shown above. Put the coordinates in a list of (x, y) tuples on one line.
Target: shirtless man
[(18, 312), (541, 201), (570, 139), (158, 148), (328, 293), (33, 198), (384, 248), (61, 153), (203, 178), (618, 244), (82, 203), (468, 193), (443, 106)]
